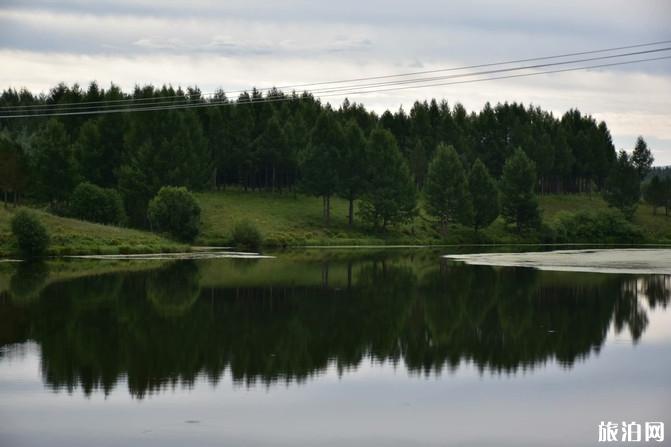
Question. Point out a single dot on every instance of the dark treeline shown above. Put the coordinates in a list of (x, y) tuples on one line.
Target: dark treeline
[(256, 143), (173, 324)]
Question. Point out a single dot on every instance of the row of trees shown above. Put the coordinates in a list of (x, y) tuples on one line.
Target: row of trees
[(622, 189), (254, 143), (658, 193)]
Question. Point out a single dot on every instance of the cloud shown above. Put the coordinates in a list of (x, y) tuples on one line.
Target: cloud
[(238, 44), (160, 44)]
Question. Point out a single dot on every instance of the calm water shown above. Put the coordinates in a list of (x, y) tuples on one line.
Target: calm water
[(327, 349)]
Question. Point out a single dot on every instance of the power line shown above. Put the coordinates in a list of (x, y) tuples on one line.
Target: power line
[(69, 107), (509, 76), (282, 98), (502, 70), (138, 101)]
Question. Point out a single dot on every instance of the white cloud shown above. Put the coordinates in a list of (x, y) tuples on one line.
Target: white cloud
[(237, 45)]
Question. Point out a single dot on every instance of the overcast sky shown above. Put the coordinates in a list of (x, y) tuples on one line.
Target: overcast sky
[(239, 44)]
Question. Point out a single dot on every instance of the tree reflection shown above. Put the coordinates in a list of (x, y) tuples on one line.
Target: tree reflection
[(173, 289), (167, 326), (28, 280)]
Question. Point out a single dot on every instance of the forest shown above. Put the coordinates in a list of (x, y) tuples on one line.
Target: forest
[(289, 142)]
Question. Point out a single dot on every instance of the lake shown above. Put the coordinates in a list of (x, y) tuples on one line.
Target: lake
[(327, 348)]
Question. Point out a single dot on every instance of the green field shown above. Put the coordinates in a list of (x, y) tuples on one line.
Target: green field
[(296, 220), (286, 219), (71, 236)]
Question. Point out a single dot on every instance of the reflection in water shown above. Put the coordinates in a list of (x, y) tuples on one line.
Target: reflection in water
[(283, 320)]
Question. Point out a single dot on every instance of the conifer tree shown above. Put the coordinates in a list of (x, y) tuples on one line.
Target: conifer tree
[(654, 193), (642, 158), (54, 168), (320, 166), (519, 204), (11, 168), (623, 186), (390, 195), (352, 166), (446, 188), (484, 194), (418, 163), (270, 146)]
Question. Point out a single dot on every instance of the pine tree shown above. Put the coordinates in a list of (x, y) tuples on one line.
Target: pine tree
[(519, 204), (54, 170), (418, 163), (88, 151), (623, 186), (218, 143), (242, 121), (173, 152), (666, 194), (390, 195), (446, 188), (484, 194), (642, 158), (11, 168), (654, 193), (269, 148), (320, 166), (352, 166)]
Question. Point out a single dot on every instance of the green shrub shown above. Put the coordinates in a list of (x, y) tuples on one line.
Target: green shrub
[(95, 204), (601, 226), (175, 211), (247, 235), (31, 236)]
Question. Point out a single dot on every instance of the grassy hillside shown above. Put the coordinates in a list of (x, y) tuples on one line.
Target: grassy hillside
[(71, 236), (286, 219)]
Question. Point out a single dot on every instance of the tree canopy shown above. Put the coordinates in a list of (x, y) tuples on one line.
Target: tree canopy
[(296, 143)]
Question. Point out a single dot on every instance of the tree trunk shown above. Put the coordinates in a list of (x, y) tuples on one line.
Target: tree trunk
[(351, 211), (274, 178)]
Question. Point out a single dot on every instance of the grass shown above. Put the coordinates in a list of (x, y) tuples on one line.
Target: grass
[(286, 219), (72, 236), (296, 220), (656, 227), (290, 220)]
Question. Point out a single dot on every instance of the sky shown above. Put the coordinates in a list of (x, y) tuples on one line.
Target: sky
[(240, 44)]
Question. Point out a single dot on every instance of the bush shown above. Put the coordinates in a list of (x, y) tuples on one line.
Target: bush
[(602, 227), (175, 211), (246, 235), (95, 204), (31, 236)]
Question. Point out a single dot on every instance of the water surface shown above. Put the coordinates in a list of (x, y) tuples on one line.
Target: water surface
[(321, 348)]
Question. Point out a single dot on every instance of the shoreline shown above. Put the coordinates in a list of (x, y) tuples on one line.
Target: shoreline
[(200, 252)]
